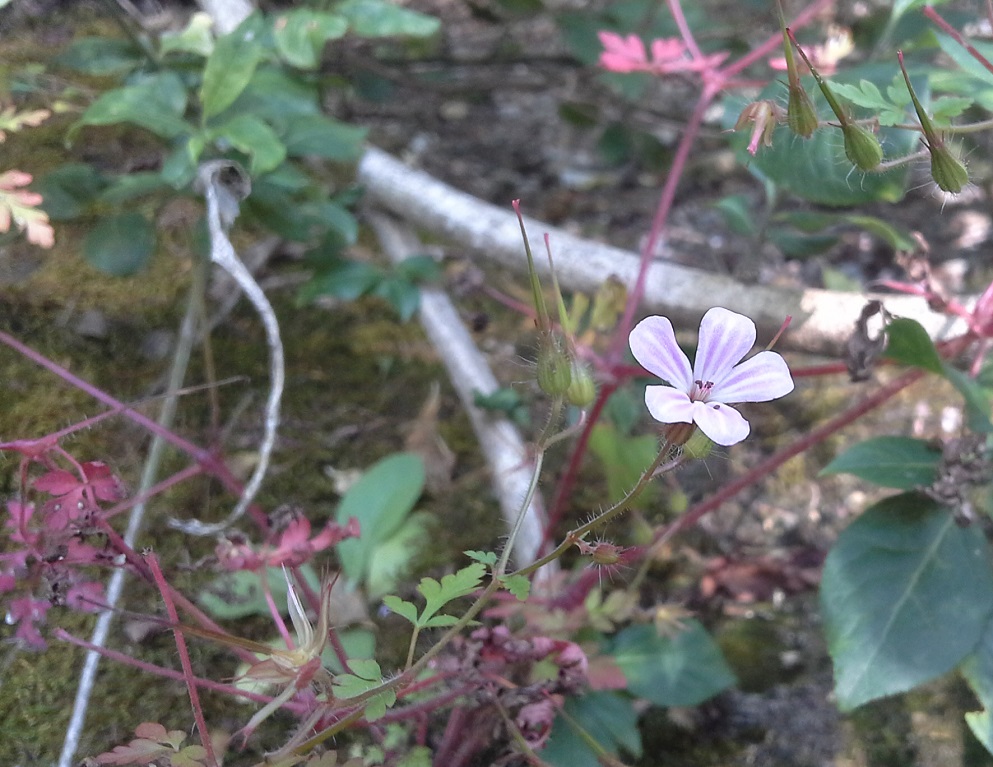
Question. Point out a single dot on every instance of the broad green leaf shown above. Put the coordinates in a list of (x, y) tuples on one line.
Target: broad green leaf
[(240, 594), (343, 279), (900, 462), (738, 214), (794, 245), (893, 234), (402, 295), (156, 102), (248, 134), (909, 343), (393, 559), (905, 594), (278, 96), (230, 67), (69, 190), (608, 718), (683, 670), (978, 672), (624, 460), (419, 268), (319, 136), (120, 245), (381, 500), (302, 34), (964, 59), (380, 18), (132, 186), (977, 401), (366, 676), (196, 37), (101, 56)]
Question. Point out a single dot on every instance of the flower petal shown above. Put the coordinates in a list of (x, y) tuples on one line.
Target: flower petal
[(653, 344), (759, 379), (725, 337), (668, 405), (722, 423)]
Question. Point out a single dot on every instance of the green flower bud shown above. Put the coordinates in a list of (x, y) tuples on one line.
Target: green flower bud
[(582, 387), (947, 170), (698, 445), (862, 148), (554, 366), (800, 113)]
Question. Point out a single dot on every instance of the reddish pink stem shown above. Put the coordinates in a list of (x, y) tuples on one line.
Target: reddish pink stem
[(932, 14), (184, 659)]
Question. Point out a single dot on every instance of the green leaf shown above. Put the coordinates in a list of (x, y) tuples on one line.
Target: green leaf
[(402, 607), (486, 557), (319, 136), (231, 66), (378, 18), (235, 595), (458, 584), (156, 102), (120, 245), (965, 61), (910, 344), (69, 190), (606, 717), (196, 38), (624, 461), (683, 670), (343, 279), (366, 676), (794, 245), (893, 234), (905, 594), (977, 670), (393, 559), (518, 585), (403, 296), (301, 35), (419, 268), (738, 214), (900, 462), (248, 134), (277, 96), (131, 186), (977, 401), (101, 56), (381, 500)]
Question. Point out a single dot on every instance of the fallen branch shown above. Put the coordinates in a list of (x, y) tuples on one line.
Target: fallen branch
[(822, 319)]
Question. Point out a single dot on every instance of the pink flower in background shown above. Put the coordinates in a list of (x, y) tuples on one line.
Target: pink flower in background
[(628, 54), (700, 395)]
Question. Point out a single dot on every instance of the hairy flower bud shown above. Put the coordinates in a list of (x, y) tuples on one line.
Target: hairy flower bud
[(554, 366), (800, 113), (862, 148), (947, 170), (582, 387)]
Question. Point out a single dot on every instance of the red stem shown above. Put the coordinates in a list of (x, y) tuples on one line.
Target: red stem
[(932, 14), (184, 659)]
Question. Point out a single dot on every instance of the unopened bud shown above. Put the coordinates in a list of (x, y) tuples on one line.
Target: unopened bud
[(862, 148), (800, 113), (554, 366), (582, 387), (698, 445), (947, 170)]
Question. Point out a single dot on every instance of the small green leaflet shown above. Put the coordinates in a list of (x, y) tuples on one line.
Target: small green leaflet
[(486, 557), (437, 595), (518, 585), (367, 676), (890, 111)]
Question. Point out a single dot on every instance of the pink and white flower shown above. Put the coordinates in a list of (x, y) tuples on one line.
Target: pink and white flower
[(700, 394)]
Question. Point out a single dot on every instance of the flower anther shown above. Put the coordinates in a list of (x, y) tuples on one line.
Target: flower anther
[(700, 394)]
